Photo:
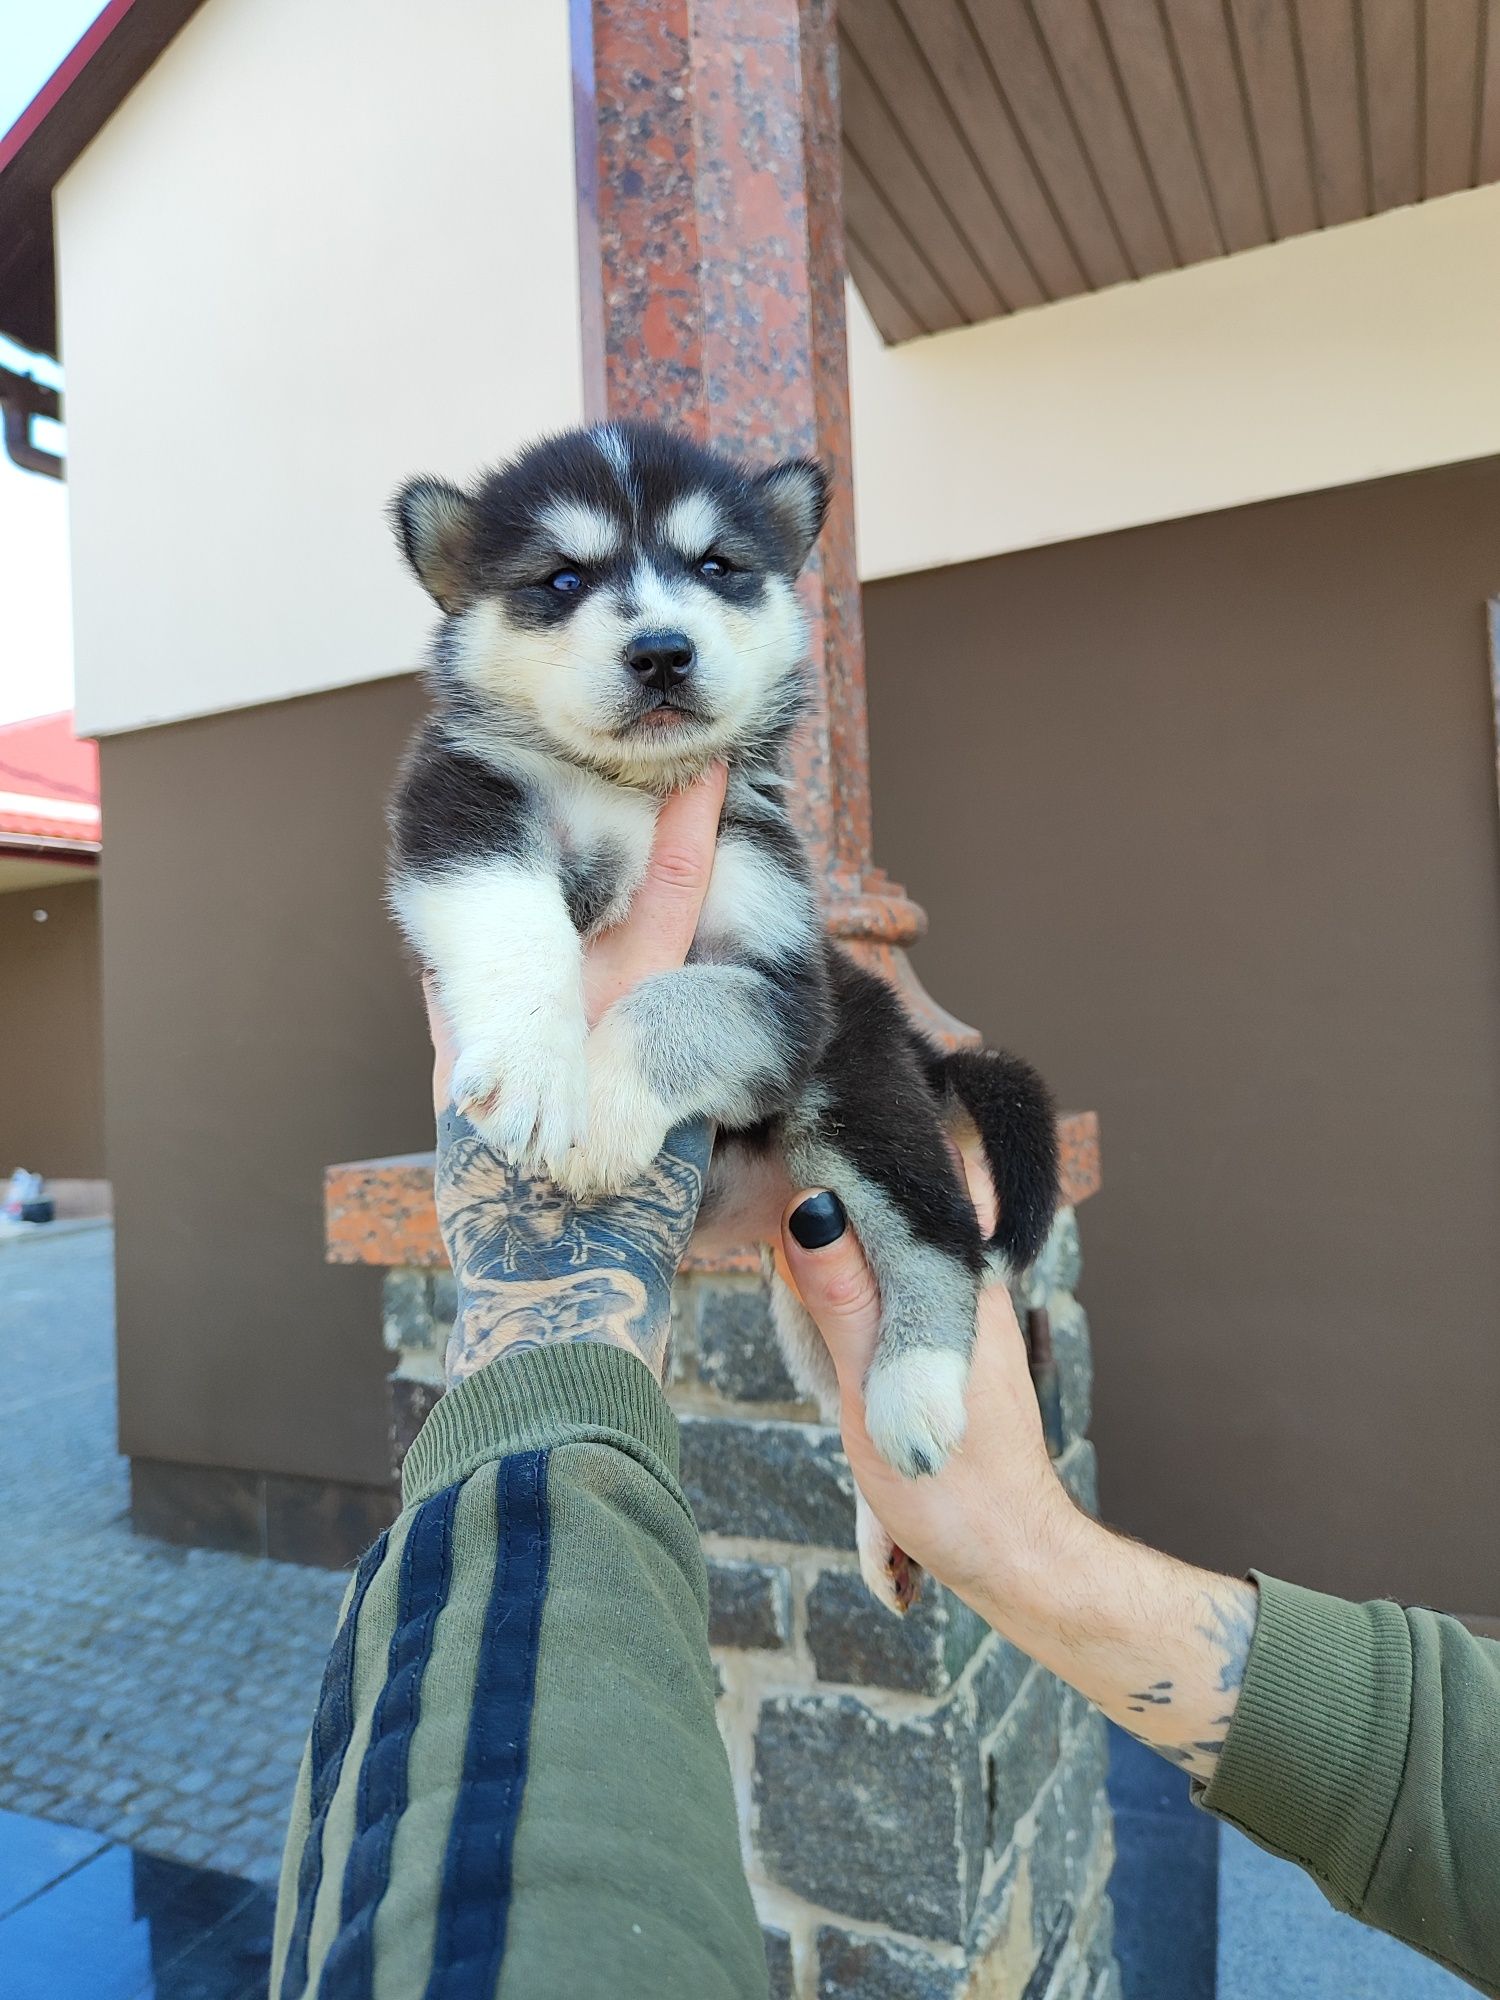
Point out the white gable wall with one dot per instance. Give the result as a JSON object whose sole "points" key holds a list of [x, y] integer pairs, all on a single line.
{"points": [[322, 245], [327, 243], [1318, 362]]}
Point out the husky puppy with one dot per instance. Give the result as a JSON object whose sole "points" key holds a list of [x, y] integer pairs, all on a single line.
{"points": [[618, 611]]}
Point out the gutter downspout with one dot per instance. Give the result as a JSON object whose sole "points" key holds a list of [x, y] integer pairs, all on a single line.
{"points": [[22, 397]]}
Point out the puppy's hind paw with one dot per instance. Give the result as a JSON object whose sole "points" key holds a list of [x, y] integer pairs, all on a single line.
{"points": [[914, 1407], [890, 1575]]}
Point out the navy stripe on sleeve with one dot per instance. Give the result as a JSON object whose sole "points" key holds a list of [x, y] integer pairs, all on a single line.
{"points": [[426, 1566], [332, 1727], [475, 1906]]}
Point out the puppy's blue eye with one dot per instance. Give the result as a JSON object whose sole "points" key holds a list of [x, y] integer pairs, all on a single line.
{"points": [[713, 566], [565, 580]]}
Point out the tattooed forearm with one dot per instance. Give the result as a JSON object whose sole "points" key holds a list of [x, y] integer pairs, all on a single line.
{"points": [[1159, 1646], [534, 1268], [1229, 1627], [1180, 1726]]}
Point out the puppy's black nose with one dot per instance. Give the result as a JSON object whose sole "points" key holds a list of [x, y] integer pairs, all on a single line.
{"points": [[662, 660]]}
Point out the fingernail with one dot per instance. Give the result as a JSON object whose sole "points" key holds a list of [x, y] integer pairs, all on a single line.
{"points": [[818, 1221]]}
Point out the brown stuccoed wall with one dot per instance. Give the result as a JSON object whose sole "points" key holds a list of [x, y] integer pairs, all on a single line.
{"points": [[259, 1024], [1205, 819], [51, 1094]]}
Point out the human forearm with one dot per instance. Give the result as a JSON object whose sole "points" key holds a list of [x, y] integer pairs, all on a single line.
{"points": [[514, 1766], [1159, 1646], [1358, 1740], [532, 1268]]}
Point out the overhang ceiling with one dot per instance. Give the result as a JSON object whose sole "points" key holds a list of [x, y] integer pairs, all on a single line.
{"points": [[1000, 153], [23, 871]]}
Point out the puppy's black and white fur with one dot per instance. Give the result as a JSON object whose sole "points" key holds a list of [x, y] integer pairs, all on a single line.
{"points": [[619, 611]]}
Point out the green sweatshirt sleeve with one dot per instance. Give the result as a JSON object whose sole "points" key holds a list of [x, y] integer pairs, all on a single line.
{"points": [[1366, 1748], [514, 1784]]}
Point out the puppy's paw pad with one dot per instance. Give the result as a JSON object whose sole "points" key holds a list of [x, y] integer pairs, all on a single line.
{"points": [[914, 1408]]}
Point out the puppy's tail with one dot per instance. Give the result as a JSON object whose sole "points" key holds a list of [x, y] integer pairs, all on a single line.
{"points": [[1013, 1111]]}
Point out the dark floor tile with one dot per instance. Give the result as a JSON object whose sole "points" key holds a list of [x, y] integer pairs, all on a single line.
{"points": [[1165, 1885], [185, 1905], [123, 1926], [1141, 1781], [80, 1940], [34, 1853], [233, 1962]]}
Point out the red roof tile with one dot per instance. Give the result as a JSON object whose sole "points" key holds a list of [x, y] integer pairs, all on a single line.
{"points": [[49, 786]]}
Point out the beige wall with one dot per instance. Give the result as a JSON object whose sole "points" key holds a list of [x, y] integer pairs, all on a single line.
{"points": [[51, 1087], [1317, 362], [320, 247], [1204, 817]]}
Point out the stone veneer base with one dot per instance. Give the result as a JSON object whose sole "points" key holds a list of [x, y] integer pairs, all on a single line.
{"points": [[325, 1523]]}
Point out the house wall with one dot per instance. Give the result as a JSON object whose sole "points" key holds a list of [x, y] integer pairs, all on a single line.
{"points": [[1205, 819], [261, 1025], [321, 247], [51, 1097], [1317, 362], [317, 249]]}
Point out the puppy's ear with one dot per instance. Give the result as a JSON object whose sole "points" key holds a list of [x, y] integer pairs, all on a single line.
{"points": [[434, 524], [796, 495]]}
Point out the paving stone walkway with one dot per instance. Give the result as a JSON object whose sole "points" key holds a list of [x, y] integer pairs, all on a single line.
{"points": [[154, 1695]]}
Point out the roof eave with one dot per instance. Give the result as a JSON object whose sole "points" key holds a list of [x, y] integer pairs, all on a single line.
{"points": [[71, 108]]}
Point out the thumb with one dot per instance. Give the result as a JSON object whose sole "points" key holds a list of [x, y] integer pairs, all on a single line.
{"points": [[828, 1269]]}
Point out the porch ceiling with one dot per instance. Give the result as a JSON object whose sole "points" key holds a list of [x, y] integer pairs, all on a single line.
{"points": [[1000, 153]]}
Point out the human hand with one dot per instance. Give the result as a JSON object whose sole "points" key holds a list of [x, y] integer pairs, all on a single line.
{"points": [[534, 1268], [1159, 1646], [995, 1510]]}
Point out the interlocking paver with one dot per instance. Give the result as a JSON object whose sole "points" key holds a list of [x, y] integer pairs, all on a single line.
{"points": [[140, 1679]]}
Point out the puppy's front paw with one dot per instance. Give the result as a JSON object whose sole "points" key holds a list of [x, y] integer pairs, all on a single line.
{"points": [[914, 1407], [626, 1123], [526, 1093]]}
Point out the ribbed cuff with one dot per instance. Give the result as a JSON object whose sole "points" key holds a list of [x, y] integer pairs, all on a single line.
{"points": [[587, 1391], [1314, 1758]]}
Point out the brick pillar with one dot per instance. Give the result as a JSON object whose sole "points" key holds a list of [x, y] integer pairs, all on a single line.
{"points": [[922, 1809]]}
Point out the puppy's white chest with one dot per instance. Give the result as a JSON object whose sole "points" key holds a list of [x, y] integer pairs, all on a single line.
{"points": [[603, 834]]}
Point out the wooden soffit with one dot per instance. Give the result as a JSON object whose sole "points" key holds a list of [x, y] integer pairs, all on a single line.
{"points": [[1001, 153]]}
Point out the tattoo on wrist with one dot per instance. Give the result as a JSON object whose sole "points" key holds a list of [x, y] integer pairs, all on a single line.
{"points": [[535, 1269], [1230, 1628], [1228, 1625]]}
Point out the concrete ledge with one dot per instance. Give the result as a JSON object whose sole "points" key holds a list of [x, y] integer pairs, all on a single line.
{"points": [[381, 1212], [43, 1232]]}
